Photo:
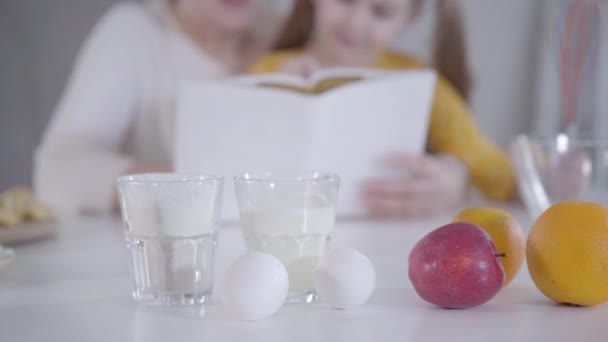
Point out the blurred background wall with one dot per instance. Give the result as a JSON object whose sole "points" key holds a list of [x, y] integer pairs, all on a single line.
{"points": [[39, 40], [38, 43]]}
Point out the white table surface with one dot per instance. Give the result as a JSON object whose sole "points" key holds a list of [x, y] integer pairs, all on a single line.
{"points": [[76, 287]]}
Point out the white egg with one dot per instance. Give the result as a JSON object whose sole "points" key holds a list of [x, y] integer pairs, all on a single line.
{"points": [[345, 278], [255, 286]]}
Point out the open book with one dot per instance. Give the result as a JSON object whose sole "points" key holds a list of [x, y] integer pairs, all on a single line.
{"points": [[318, 83], [342, 121]]}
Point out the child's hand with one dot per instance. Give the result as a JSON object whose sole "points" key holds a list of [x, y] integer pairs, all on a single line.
{"points": [[304, 65], [435, 183]]}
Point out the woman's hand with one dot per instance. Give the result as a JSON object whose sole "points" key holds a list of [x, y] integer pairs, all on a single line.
{"points": [[429, 185], [304, 65]]}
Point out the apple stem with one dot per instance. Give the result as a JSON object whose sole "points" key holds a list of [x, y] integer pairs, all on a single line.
{"points": [[501, 255]]}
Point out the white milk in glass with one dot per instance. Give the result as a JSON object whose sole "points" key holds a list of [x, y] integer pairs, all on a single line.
{"points": [[294, 228]]}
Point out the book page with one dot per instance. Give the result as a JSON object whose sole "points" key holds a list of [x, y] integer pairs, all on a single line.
{"points": [[284, 79], [319, 82], [227, 128], [345, 72], [361, 124]]}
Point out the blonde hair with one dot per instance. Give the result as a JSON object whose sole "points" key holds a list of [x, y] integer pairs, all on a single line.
{"points": [[449, 52]]}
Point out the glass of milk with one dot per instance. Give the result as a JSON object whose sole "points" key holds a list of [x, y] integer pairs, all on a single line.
{"points": [[291, 216], [171, 225]]}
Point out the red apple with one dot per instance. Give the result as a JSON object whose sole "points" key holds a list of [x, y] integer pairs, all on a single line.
{"points": [[456, 267]]}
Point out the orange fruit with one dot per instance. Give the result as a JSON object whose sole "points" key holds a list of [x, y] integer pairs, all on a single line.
{"points": [[506, 233], [567, 253]]}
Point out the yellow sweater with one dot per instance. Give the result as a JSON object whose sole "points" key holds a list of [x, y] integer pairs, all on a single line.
{"points": [[452, 130]]}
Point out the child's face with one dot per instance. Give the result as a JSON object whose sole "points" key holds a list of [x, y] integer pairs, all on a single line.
{"points": [[354, 32], [229, 15]]}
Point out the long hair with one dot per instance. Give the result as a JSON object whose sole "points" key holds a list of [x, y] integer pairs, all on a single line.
{"points": [[450, 51], [298, 27]]}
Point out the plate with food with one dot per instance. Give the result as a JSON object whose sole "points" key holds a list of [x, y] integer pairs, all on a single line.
{"points": [[22, 218]]}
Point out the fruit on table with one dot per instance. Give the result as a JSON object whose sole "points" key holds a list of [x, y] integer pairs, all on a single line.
{"points": [[567, 253], [456, 266], [506, 233]]}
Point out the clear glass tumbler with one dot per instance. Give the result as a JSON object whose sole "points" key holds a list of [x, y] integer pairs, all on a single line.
{"points": [[291, 216], [171, 224]]}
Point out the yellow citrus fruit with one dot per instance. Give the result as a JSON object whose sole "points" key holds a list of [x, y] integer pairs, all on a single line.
{"points": [[567, 253], [506, 233]]}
